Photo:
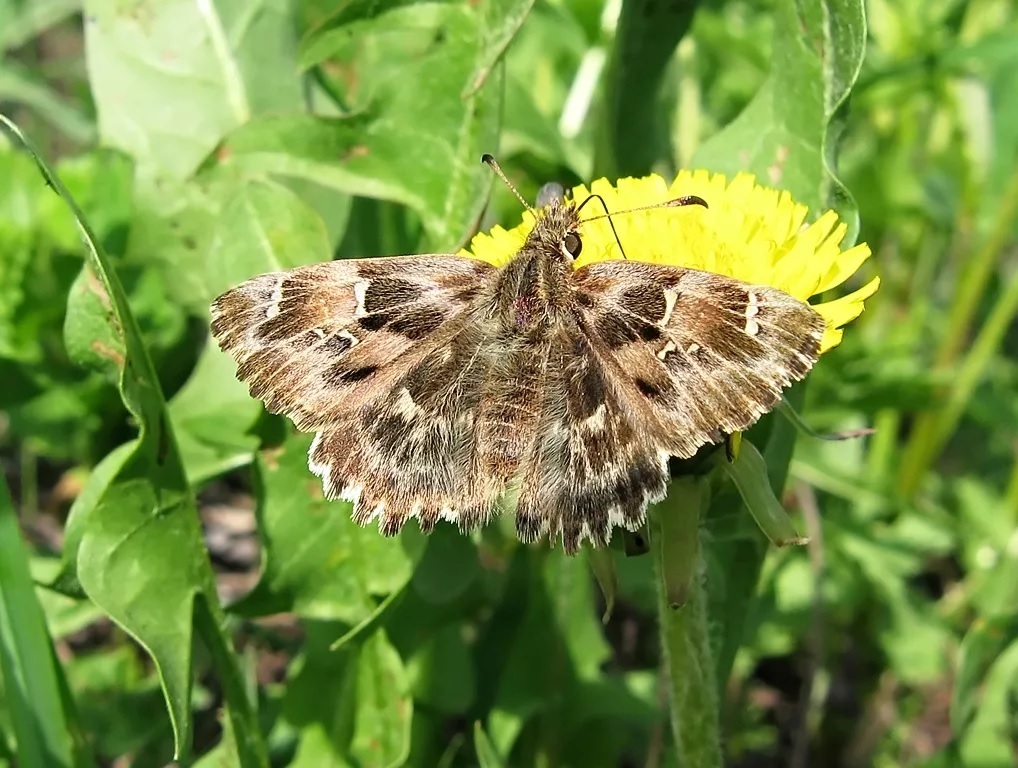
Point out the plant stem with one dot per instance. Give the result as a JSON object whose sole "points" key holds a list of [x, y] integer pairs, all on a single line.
{"points": [[685, 639]]}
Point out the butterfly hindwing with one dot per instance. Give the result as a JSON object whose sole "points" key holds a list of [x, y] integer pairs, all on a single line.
{"points": [[413, 451], [590, 467], [697, 354]]}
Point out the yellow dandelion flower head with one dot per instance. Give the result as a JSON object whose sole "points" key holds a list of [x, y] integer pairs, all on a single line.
{"points": [[748, 232]]}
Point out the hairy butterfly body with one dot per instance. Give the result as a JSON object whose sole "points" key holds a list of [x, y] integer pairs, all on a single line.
{"points": [[436, 383]]}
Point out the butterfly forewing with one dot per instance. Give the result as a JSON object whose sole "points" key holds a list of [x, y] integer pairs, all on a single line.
{"points": [[697, 355], [319, 341]]}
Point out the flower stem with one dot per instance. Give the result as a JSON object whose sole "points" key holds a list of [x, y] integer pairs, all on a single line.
{"points": [[682, 615]]}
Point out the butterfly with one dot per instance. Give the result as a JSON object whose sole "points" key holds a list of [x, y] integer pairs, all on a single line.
{"points": [[438, 386]]}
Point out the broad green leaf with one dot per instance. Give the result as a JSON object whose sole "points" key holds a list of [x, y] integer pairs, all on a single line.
{"points": [[988, 739], [441, 672], [171, 78], [213, 416], [783, 135], [121, 705], [141, 557], [96, 485], [263, 227], [412, 64], [177, 230], [548, 104], [447, 568], [502, 20], [318, 562], [27, 659], [545, 640]]}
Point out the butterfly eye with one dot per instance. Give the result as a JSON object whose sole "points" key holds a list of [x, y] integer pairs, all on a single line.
{"points": [[572, 244]]}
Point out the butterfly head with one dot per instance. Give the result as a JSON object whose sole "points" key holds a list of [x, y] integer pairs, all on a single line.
{"points": [[557, 230]]}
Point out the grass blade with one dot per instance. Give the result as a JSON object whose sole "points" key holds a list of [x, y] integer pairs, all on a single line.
{"points": [[31, 676]]}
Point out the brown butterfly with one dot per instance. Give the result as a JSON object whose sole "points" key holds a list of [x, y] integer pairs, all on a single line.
{"points": [[438, 384]]}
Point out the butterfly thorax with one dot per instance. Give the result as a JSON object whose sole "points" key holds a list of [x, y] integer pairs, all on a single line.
{"points": [[532, 291]]}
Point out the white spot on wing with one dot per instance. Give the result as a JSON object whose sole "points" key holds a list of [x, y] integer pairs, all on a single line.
{"points": [[314, 466], [671, 297], [277, 296], [666, 349], [352, 493], [752, 310], [360, 291], [405, 403], [596, 419], [377, 511]]}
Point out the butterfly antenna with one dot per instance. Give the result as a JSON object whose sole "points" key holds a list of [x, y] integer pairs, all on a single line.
{"points": [[492, 163], [607, 215], [678, 202]]}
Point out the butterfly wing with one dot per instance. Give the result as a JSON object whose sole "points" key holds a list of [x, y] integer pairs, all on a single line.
{"points": [[589, 465], [387, 360], [318, 341], [696, 355]]}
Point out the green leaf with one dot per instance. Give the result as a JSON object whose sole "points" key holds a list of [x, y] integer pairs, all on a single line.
{"points": [[783, 136], [980, 649], [318, 562], [989, 737], [31, 674], [441, 672], [411, 64], [24, 20], [214, 416], [99, 480], [263, 227], [502, 20], [487, 757], [540, 646], [122, 708], [363, 716], [448, 567], [748, 474], [141, 556], [169, 80]]}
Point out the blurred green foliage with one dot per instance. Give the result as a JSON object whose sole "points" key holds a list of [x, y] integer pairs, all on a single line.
{"points": [[205, 142]]}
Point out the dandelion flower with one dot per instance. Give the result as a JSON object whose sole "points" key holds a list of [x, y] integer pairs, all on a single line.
{"points": [[748, 232]]}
